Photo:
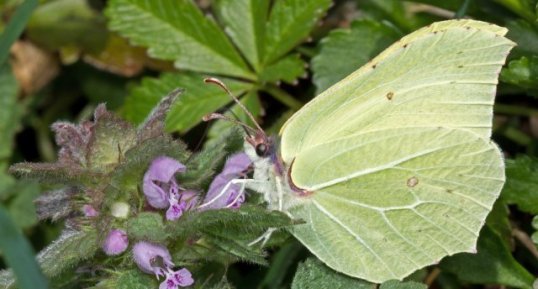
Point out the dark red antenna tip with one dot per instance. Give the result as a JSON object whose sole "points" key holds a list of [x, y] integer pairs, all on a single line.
{"points": [[223, 86]]}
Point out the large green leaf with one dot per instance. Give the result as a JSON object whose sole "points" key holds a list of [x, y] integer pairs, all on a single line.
{"points": [[177, 30], [393, 284], [19, 256], [198, 99], [345, 50], [492, 264], [521, 186], [312, 274], [61, 23], [287, 69], [245, 24], [15, 27], [290, 23], [9, 111]]}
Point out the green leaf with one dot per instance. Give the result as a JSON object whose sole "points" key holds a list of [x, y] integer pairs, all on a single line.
{"points": [[147, 226], [9, 111], [522, 72], [290, 22], [312, 274], [71, 248], [493, 264], [131, 279], [55, 173], [19, 256], [111, 137], [74, 23], [287, 69], [15, 27], [198, 99], [345, 50], [252, 103], [245, 24], [248, 220], [128, 175], [22, 208], [535, 226], [521, 186], [201, 167], [525, 34], [394, 284], [499, 222], [177, 30], [239, 250]]}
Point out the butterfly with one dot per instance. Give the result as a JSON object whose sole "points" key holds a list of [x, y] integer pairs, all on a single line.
{"points": [[392, 168]]}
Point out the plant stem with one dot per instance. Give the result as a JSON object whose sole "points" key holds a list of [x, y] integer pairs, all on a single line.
{"points": [[15, 27], [515, 110], [283, 97], [524, 239], [463, 9]]}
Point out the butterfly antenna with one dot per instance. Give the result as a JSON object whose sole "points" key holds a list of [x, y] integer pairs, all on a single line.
{"points": [[215, 115], [223, 86]]}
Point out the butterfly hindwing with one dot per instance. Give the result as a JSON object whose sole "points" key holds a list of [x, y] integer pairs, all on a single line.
{"points": [[385, 204]]}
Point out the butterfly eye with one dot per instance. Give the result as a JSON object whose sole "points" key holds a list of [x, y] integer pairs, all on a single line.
{"points": [[261, 149]]}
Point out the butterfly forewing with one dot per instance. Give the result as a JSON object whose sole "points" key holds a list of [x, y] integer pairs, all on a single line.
{"points": [[428, 79]]}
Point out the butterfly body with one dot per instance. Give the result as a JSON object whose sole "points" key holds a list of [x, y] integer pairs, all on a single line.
{"points": [[392, 168]]}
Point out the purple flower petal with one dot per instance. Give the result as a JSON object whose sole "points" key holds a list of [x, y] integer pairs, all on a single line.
{"points": [[183, 278], [115, 243], [89, 211], [159, 181], [168, 284], [148, 256], [235, 166], [175, 211]]}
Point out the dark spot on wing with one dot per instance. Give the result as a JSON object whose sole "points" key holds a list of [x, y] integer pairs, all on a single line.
{"points": [[390, 95], [412, 182]]}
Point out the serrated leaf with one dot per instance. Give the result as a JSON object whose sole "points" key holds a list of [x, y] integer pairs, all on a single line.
{"points": [[492, 264], [19, 256], [153, 125], [345, 50], [177, 30], [67, 251], [55, 173], [198, 99], [289, 24], [522, 72], [287, 69], [521, 186], [244, 22], [147, 226], [9, 111], [241, 251], [394, 284], [312, 274], [247, 219]]}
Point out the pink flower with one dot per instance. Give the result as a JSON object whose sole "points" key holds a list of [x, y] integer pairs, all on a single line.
{"points": [[155, 259], [235, 167], [162, 191], [115, 242]]}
